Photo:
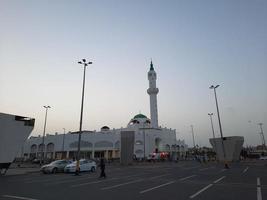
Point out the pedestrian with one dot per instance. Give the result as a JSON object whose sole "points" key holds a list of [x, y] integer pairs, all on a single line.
{"points": [[102, 167]]}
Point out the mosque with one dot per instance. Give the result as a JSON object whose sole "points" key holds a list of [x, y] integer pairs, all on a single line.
{"points": [[149, 137]]}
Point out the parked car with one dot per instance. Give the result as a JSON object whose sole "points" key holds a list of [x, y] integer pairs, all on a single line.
{"points": [[35, 161], [85, 165], [263, 158], [55, 166]]}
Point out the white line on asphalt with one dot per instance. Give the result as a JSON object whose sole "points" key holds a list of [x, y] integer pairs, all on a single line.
{"points": [[259, 197], [188, 177], [205, 188], [94, 182], [222, 170], [202, 190], [153, 188], [245, 170], [219, 179], [122, 184], [17, 197]]}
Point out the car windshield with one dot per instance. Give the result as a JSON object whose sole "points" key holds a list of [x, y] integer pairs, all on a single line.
{"points": [[56, 162]]}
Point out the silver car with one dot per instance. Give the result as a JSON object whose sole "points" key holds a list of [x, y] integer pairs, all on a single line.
{"points": [[55, 166]]}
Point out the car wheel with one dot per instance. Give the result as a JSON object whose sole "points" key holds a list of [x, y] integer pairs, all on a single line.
{"points": [[54, 170], [92, 169]]}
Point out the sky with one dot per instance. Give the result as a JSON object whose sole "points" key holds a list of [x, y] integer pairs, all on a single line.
{"points": [[193, 44]]}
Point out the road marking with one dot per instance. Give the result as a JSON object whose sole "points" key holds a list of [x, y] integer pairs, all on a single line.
{"points": [[159, 186], [219, 179], [245, 170], [259, 196], [94, 182], [18, 197], [222, 170], [122, 184], [182, 179], [207, 187], [200, 191]]}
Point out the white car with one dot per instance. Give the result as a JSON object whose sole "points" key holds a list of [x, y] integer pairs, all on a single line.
{"points": [[85, 165], [263, 158]]}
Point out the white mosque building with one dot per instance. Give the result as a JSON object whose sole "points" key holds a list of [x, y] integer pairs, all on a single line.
{"points": [[149, 137]]}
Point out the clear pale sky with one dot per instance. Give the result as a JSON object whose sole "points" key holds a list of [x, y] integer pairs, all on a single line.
{"points": [[193, 44]]}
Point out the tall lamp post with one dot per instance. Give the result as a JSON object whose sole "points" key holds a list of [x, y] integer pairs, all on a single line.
{"points": [[63, 142], [262, 137], [193, 136], [220, 125], [210, 114], [85, 64], [43, 145]]}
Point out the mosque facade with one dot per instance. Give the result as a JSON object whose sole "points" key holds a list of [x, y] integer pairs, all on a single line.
{"points": [[149, 137]]}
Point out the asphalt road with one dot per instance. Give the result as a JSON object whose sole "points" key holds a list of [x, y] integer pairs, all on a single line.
{"points": [[160, 181]]}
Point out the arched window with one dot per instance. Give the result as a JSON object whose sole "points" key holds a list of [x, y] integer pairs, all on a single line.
{"points": [[41, 147], [33, 148], [50, 147]]}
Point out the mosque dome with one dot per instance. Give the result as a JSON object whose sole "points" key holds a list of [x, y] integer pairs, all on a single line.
{"points": [[140, 116], [105, 128], [140, 119]]}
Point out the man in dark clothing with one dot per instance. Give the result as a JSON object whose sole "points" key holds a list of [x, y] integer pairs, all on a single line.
{"points": [[102, 167]]}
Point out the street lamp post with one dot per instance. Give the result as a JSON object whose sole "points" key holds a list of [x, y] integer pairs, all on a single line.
{"points": [[220, 125], [85, 64], [210, 114], [63, 142], [43, 145], [262, 137], [193, 136]]}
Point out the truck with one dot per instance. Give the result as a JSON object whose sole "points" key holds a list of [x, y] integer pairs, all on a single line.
{"points": [[14, 131]]}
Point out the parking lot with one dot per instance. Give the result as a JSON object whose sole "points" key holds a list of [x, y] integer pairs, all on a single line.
{"points": [[183, 180]]}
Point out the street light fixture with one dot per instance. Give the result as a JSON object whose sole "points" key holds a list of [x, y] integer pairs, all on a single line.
{"points": [[43, 145], [85, 64], [220, 125]]}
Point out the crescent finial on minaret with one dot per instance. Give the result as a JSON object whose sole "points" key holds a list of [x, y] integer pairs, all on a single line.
{"points": [[151, 65]]}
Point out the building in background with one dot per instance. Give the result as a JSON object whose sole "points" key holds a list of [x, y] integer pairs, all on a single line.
{"points": [[149, 138]]}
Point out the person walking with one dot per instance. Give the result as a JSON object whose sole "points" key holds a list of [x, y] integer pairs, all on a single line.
{"points": [[102, 167]]}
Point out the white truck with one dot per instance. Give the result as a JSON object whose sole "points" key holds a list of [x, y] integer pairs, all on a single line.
{"points": [[14, 130]]}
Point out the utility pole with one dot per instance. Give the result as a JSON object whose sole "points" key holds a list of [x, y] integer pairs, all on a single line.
{"points": [[193, 136], [220, 125], [63, 142], [210, 114], [85, 64], [262, 138], [43, 145]]}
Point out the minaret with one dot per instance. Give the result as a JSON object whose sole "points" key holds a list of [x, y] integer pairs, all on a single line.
{"points": [[153, 91]]}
